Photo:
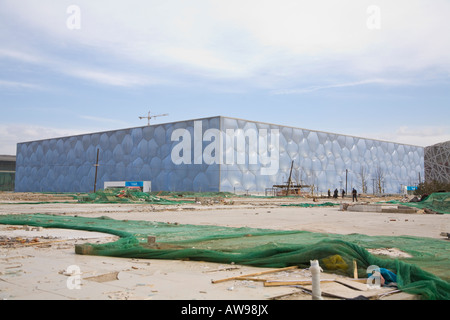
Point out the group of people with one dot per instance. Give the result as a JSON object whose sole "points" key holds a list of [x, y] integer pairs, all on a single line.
{"points": [[336, 194]]}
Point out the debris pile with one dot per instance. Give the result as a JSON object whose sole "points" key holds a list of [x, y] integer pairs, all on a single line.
{"points": [[9, 242], [36, 197], [313, 283]]}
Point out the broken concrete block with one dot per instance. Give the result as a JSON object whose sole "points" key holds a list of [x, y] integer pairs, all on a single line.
{"points": [[365, 208], [400, 210]]}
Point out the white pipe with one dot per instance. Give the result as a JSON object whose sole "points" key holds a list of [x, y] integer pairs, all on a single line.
{"points": [[315, 271]]}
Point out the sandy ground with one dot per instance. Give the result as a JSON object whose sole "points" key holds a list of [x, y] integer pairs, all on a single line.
{"points": [[42, 265]]}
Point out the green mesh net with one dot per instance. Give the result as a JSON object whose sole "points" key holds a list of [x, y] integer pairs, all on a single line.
{"points": [[425, 273], [7, 181], [124, 195], [438, 202]]}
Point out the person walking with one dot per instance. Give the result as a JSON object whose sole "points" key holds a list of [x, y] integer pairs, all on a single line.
{"points": [[355, 195], [343, 193]]}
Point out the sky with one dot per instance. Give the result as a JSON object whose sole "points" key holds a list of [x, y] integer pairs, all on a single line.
{"points": [[373, 69]]}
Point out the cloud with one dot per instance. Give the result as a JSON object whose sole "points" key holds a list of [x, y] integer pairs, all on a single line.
{"points": [[419, 135], [82, 71], [18, 85], [11, 134], [105, 120], [18, 55], [259, 43], [341, 85], [116, 79]]}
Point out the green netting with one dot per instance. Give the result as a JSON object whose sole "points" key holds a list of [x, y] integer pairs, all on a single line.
{"points": [[438, 202], [7, 181], [124, 196], [425, 274]]}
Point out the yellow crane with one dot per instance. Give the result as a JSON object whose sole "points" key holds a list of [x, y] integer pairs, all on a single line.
{"points": [[148, 117]]}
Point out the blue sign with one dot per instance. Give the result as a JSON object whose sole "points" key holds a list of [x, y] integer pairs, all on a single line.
{"points": [[411, 188], [134, 184]]}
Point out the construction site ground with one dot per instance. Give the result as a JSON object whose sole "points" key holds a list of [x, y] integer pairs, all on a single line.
{"points": [[38, 263]]}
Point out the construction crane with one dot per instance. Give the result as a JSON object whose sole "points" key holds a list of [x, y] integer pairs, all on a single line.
{"points": [[148, 117]]}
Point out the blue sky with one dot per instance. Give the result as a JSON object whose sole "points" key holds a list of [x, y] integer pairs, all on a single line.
{"points": [[376, 69]]}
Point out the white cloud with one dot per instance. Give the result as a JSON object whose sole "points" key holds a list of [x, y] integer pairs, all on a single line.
{"points": [[105, 120], [18, 55], [81, 71], [265, 43], [341, 85], [108, 77], [11, 134], [419, 135], [19, 85]]}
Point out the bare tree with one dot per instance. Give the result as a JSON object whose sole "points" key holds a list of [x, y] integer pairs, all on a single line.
{"points": [[379, 179], [363, 175]]}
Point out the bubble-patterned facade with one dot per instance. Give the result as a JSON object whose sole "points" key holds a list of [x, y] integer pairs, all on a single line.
{"points": [[215, 154]]}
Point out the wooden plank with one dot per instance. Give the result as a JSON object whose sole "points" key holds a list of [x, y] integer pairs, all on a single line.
{"points": [[254, 274], [355, 270], [252, 279], [292, 283], [357, 285]]}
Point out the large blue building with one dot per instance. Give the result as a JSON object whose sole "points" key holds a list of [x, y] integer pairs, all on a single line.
{"points": [[217, 154]]}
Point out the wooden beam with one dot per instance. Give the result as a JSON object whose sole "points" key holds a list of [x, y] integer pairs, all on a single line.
{"points": [[254, 274], [292, 283], [355, 270], [276, 283]]}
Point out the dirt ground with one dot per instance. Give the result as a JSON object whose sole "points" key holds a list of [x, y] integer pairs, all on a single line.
{"points": [[41, 264]]}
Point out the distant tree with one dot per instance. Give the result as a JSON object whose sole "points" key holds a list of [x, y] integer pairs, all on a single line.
{"points": [[379, 179], [430, 187]]}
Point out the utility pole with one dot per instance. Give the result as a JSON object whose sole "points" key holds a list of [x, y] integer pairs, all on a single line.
{"points": [[346, 179], [96, 168], [148, 117], [290, 179]]}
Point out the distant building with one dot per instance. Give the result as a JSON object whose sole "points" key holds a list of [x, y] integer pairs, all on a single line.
{"points": [[218, 154], [437, 162], [7, 172]]}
